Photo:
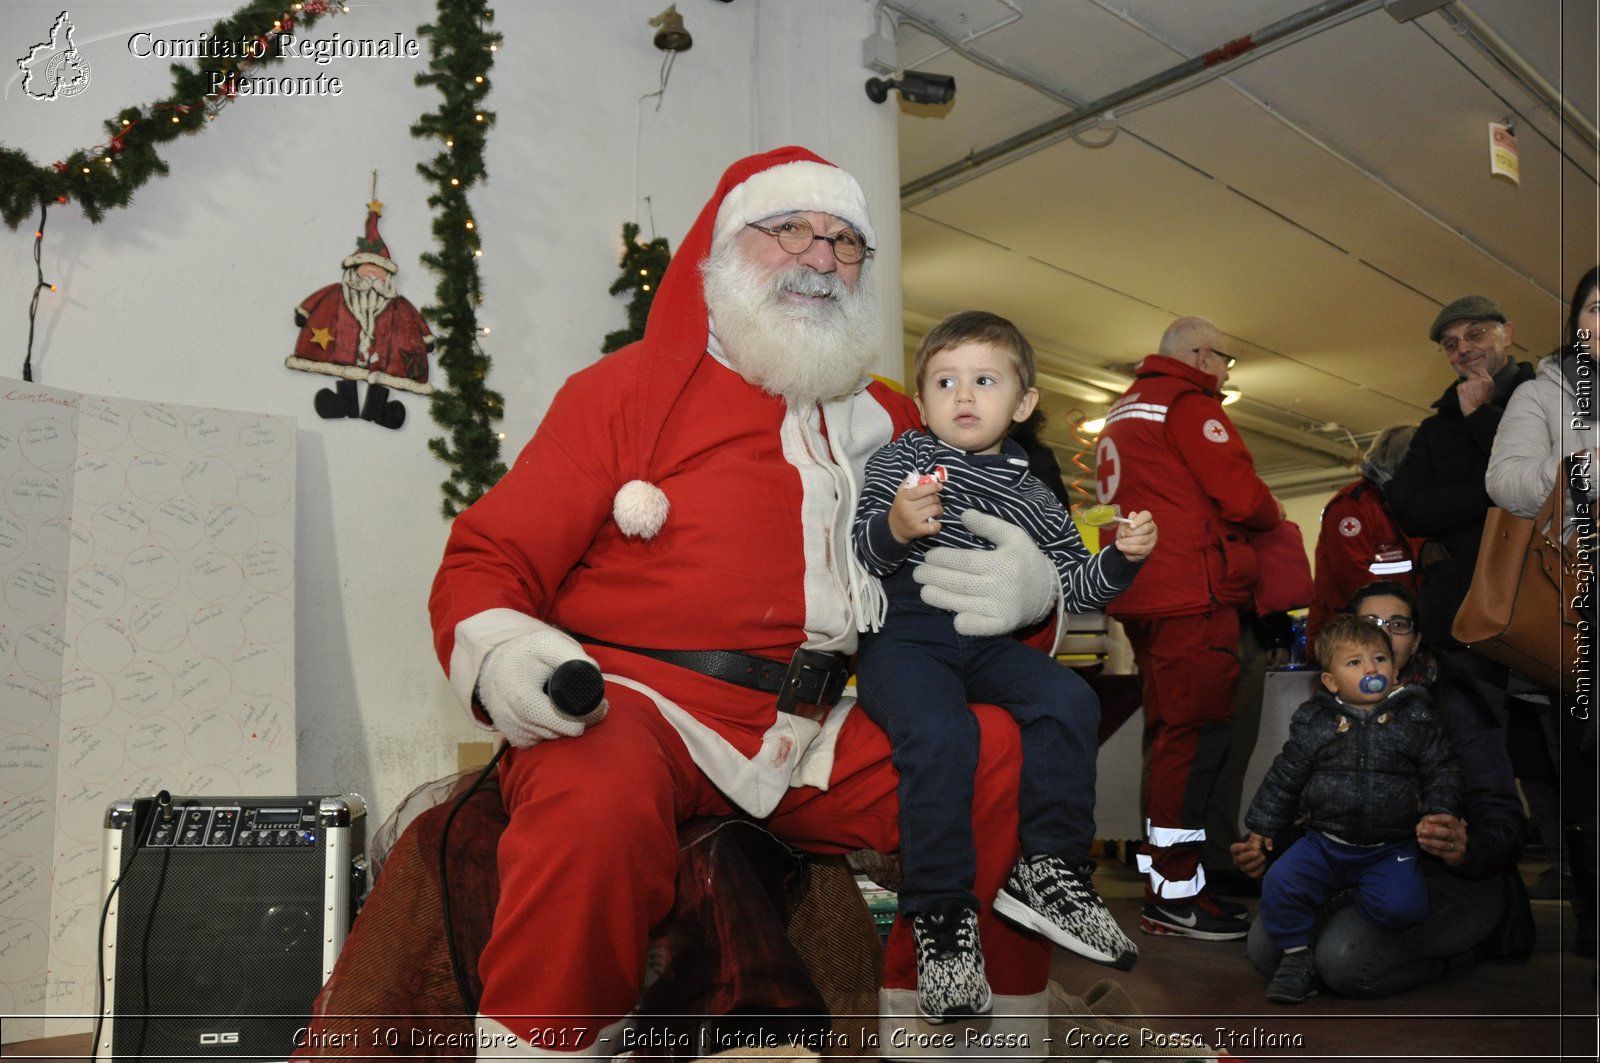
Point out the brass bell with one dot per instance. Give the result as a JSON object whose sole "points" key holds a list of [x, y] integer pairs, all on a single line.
{"points": [[670, 34]]}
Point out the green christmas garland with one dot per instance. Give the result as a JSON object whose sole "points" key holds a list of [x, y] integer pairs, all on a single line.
{"points": [[107, 175], [461, 52]]}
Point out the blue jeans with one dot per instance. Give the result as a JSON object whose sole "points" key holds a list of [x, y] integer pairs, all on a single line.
{"points": [[915, 679], [1357, 959], [1389, 890]]}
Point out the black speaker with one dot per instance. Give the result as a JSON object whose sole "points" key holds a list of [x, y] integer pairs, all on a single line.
{"points": [[223, 918]]}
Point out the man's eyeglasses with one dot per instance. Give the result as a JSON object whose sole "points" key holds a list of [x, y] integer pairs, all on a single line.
{"points": [[1395, 625], [795, 235], [1225, 356], [1451, 344]]}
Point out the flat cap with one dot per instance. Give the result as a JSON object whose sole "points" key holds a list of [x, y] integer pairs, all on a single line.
{"points": [[1466, 308]]}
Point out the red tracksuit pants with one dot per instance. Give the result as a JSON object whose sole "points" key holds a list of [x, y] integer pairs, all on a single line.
{"points": [[1190, 666], [589, 861]]}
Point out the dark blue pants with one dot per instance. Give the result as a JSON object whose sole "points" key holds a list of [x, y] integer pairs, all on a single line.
{"points": [[915, 679], [1389, 890]]}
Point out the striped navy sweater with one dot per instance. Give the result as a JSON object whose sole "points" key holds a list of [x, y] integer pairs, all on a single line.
{"points": [[998, 484]]}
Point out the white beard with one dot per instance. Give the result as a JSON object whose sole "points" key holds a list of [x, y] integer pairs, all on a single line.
{"points": [[803, 352], [366, 298]]}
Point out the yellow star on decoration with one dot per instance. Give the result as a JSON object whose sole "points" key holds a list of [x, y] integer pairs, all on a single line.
{"points": [[376, 207], [321, 337]]}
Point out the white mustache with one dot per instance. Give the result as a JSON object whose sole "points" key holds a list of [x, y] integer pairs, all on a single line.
{"points": [[805, 282]]}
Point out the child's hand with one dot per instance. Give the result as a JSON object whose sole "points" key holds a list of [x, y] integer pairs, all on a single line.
{"points": [[1249, 855], [916, 511], [1137, 536]]}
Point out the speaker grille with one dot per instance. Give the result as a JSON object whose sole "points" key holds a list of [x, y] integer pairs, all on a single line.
{"points": [[219, 950]]}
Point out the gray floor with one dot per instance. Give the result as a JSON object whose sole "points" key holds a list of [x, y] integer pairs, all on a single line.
{"points": [[1542, 1009]]}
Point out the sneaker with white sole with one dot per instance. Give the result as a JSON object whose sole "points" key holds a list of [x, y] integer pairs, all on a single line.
{"points": [[1203, 918], [1048, 895], [950, 979]]}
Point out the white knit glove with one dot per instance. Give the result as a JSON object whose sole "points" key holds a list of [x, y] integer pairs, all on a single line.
{"points": [[511, 688], [992, 592]]}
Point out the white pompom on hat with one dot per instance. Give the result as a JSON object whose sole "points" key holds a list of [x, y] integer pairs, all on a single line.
{"points": [[791, 188]]}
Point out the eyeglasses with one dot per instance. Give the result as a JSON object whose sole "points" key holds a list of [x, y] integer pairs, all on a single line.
{"points": [[796, 236], [1225, 356], [1395, 625], [1451, 344]]}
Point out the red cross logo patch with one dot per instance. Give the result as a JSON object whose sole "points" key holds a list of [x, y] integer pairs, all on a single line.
{"points": [[1350, 527], [1108, 469], [1215, 431]]}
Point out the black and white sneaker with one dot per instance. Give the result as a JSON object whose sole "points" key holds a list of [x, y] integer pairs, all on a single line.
{"points": [[1203, 918], [1047, 895], [950, 979], [1295, 979]]}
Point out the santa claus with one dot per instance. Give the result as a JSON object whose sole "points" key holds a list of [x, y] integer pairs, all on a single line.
{"points": [[359, 329], [681, 519]]}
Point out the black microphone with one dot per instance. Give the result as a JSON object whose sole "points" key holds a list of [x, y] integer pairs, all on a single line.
{"points": [[575, 688]]}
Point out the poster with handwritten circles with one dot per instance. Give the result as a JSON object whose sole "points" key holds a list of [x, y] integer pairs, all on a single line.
{"points": [[146, 643]]}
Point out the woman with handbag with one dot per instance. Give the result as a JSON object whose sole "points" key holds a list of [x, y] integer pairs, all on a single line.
{"points": [[1476, 902], [1550, 420], [1548, 435]]}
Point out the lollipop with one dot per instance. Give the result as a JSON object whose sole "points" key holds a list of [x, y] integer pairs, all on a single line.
{"points": [[1102, 515]]}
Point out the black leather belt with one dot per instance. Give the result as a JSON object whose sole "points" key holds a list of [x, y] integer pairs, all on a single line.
{"points": [[811, 677]]}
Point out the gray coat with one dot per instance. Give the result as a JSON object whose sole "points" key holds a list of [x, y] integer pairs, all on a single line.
{"points": [[1536, 432]]}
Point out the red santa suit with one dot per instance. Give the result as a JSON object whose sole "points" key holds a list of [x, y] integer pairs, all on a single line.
{"points": [[667, 503], [1360, 541], [331, 343], [1168, 447]]}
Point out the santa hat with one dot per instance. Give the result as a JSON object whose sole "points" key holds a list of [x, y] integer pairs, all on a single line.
{"points": [[802, 185], [370, 248], [756, 187]]}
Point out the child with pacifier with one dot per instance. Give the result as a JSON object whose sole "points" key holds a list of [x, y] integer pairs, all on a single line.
{"points": [[1364, 762]]}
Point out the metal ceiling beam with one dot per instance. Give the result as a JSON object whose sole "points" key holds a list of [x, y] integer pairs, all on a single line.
{"points": [[1002, 152], [1479, 33]]}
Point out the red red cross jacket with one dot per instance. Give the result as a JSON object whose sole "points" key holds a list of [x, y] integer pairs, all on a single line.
{"points": [[1360, 542], [1168, 447]]}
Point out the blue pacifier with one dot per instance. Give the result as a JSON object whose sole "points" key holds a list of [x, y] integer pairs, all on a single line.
{"points": [[1374, 684]]}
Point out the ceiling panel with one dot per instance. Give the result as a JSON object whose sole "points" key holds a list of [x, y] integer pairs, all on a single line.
{"points": [[1320, 202]]}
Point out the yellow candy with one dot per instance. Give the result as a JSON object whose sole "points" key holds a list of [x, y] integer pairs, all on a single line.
{"points": [[1099, 516]]}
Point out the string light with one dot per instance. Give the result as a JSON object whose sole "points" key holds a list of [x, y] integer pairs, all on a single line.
{"points": [[39, 285], [641, 263]]}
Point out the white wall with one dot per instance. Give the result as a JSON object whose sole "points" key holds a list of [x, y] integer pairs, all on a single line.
{"points": [[187, 296]]}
